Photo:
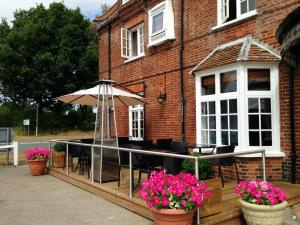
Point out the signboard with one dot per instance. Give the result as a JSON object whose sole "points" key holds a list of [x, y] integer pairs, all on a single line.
{"points": [[26, 122]]}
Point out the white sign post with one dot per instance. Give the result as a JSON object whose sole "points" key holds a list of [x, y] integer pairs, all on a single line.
{"points": [[26, 122]]}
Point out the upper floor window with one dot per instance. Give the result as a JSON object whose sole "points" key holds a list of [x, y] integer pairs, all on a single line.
{"points": [[161, 23], [231, 10], [132, 42]]}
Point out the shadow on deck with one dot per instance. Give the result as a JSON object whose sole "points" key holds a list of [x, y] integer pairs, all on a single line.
{"points": [[230, 215]]}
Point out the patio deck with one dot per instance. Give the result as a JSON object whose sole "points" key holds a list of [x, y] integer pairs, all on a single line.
{"points": [[231, 213]]}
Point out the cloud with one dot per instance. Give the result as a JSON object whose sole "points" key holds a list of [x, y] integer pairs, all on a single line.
{"points": [[89, 8]]}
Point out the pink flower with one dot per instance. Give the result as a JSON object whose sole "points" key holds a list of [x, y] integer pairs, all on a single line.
{"points": [[183, 202]]}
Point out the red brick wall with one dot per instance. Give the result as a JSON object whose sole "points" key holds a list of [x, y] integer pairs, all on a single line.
{"points": [[200, 17]]}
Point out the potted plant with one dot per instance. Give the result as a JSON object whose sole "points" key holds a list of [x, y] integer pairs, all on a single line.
{"points": [[58, 155], [173, 199], [37, 160], [262, 203], [205, 171]]}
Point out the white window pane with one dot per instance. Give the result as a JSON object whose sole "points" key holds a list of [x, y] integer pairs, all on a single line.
{"points": [[265, 105], [253, 121], [253, 105], [212, 137], [224, 136], [259, 80], [233, 122], [244, 6], [266, 138], [208, 85], [204, 122], [212, 122], [223, 106], [252, 4], [266, 122], [158, 22], [228, 82], [212, 107], [234, 138], [204, 108], [204, 136], [134, 44], [224, 122], [254, 138], [232, 106]]}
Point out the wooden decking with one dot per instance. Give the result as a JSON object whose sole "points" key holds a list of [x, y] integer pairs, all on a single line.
{"points": [[230, 215]]}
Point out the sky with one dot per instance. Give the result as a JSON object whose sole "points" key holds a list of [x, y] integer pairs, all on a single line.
{"points": [[89, 8]]}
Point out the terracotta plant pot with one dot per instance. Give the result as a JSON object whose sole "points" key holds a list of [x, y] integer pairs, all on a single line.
{"points": [[172, 217], [37, 167], [58, 159], [263, 214]]}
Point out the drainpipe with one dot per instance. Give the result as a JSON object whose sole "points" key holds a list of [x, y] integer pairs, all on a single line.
{"points": [[292, 125], [109, 51], [181, 67]]}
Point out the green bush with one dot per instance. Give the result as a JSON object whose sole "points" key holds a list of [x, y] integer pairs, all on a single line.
{"points": [[60, 147], [188, 166]]}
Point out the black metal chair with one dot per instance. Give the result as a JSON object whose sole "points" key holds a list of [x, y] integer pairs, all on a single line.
{"points": [[173, 165], [74, 151], [164, 144], [228, 161]]}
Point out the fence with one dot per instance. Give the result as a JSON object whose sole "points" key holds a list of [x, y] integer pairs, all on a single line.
{"points": [[164, 154]]}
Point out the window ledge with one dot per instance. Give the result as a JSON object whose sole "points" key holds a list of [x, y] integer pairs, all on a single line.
{"points": [[133, 58], [269, 154], [235, 21], [160, 41]]}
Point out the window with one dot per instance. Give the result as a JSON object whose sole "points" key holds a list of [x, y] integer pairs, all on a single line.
{"points": [[239, 105], [136, 122], [125, 1], [132, 42], [161, 23], [231, 10]]}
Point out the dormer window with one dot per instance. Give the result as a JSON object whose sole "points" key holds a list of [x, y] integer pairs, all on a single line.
{"points": [[161, 23], [233, 10], [132, 42]]}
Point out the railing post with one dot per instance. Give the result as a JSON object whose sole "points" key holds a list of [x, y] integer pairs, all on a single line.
{"points": [[67, 158], [197, 176], [51, 158], [130, 174], [263, 155], [16, 153], [92, 164]]}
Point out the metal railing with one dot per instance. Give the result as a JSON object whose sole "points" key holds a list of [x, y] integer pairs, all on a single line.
{"points": [[155, 153]]}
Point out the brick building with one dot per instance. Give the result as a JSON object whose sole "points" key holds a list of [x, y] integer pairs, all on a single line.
{"points": [[210, 71]]}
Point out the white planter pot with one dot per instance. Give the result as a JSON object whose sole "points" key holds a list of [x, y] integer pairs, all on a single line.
{"points": [[263, 214]]}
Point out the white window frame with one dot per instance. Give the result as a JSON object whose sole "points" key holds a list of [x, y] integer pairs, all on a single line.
{"points": [[140, 110], [168, 32], [125, 1], [126, 37], [222, 9], [242, 96]]}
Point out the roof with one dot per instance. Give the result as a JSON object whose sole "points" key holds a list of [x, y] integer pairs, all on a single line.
{"points": [[245, 49]]}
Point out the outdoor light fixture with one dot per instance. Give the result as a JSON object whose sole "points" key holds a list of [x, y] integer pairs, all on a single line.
{"points": [[162, 97]]}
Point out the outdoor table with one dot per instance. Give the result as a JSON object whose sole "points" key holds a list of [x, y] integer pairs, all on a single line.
{"points": [[202, 147]]}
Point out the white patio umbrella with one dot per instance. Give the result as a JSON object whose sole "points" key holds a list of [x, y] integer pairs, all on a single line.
{"points": [[89, 97]]}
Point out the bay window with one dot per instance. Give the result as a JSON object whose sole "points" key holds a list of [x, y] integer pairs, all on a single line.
{"points": [[239, 105]]}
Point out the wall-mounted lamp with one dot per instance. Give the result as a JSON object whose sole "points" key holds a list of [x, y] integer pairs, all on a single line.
{"points": [[163, 97]]}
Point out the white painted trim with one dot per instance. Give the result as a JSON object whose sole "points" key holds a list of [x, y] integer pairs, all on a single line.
{"points": [[134, 58], [242, 95], [168, 23], [238, 19]]}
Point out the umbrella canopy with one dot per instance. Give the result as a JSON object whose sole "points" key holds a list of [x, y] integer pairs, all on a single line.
{"points": [[89, 97]]}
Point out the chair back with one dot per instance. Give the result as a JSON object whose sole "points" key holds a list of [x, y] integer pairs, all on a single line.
{"points": [[164, 143], [228, 161], [124, 156], [179, 146]]}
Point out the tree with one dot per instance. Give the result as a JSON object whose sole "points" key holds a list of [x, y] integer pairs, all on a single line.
{"points": [[46, 53]]}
